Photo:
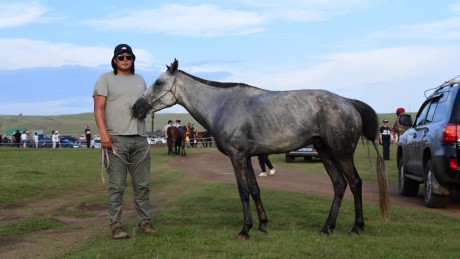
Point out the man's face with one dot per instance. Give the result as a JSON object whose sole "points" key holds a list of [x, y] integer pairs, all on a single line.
{"points": [[124, 61]]}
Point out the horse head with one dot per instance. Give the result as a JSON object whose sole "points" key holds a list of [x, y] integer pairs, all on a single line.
{"points": [[161, 94]]}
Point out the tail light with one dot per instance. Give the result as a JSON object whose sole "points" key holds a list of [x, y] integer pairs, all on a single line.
{"points": [[453, 163], [451, 133]]}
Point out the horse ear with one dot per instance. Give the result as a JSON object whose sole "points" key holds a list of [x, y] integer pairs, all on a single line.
{"points": [[174, 66]]}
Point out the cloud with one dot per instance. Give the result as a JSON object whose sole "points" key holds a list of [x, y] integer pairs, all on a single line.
{"points": [[377, 76], [18, 14], [26, 53], [305, 10], [200, 20], [439, 30], [209, 20]]}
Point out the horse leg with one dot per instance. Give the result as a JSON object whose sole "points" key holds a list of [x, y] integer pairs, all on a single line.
{"points": [[176, 148], [356, 185], [339, 184], [170, 146], [183, 148], [255, 194], [239, 163]]}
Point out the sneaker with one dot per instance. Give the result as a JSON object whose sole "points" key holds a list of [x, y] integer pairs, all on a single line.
{"points": [[272, 171], [263, 174], [146, 227], [118, 232]]}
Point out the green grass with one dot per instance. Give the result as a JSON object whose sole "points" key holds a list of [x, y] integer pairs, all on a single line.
{"points": [[197, 219], [21, 228]]}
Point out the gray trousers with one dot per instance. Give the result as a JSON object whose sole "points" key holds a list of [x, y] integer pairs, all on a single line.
{"points": [[133, 160]]}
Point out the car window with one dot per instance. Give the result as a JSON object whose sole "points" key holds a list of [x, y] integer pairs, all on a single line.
{"points": [[430, 114], [421, 116], [441, 108]]}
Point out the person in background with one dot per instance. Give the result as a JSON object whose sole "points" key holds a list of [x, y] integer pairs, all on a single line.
{"points": [[53, 139], [24, 139], [187, 134], [165, 129], [114, 94], [17, 138], [36, 139], [57, 140], [263, 160], [177, 123], [88, 136], [385, 139], [399, 129]]}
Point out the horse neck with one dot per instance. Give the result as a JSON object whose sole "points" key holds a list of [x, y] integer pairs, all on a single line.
{"points": [[198, 99]]}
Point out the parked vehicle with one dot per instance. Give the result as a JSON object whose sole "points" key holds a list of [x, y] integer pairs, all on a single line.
{"points": [[96, 143], [428, 152], [308, 153]]}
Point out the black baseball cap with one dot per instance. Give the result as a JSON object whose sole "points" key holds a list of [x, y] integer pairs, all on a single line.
{"points": [[121, 48]]}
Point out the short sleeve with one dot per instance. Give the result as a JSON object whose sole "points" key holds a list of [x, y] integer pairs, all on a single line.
{"points": [[101, 87]]}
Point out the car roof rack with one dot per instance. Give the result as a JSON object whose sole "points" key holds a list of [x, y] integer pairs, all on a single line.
{"points": [[448, 83]]}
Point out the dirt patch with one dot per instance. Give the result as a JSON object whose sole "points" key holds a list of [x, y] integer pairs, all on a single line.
{"points": [[47, 243], [297, 181]]}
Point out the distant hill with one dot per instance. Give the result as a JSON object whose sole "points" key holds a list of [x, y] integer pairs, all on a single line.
{"points": [[75, 124]]}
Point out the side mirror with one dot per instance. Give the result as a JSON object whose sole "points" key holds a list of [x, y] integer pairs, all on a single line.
{"points": [[405, 120]]}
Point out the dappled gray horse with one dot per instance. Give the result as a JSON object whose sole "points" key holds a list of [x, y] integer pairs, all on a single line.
{"points": [[246, 121]]}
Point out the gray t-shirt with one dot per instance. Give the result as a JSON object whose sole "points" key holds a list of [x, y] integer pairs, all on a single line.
{"points": [[121, 92]]}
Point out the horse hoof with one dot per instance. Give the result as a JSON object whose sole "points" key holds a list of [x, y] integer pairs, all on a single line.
{"points": [[242, 237], [323, 234], [262, 231]]}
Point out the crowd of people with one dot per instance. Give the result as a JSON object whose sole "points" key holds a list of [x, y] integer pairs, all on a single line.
{"points": [[29, 139]]}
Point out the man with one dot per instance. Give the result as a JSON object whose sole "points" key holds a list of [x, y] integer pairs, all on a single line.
{"points": [[88, 136], [385, 139], [124, 137], [165, 129], [397, 127], [17, 138]]}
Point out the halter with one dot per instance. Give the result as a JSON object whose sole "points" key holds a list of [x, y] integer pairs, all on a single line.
{"points": [[171, 90]]}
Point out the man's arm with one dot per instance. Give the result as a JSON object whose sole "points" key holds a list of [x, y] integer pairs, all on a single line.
{"points": [[99, 115]]}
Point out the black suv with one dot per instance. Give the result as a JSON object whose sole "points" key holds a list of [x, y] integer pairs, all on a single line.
{"points": [[429, 151]]}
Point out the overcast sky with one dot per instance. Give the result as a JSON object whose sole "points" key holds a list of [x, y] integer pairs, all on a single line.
{"points": [[386, 53]]}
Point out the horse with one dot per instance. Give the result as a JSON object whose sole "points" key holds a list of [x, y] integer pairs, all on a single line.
{"points": [[238, 115], [176, 141], [204, 137]]}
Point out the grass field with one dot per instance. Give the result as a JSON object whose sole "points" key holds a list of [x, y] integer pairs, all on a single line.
{"points": [[197, 219]]}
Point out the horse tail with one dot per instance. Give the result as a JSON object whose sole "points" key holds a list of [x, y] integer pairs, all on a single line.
{"points": [[370, 130]]}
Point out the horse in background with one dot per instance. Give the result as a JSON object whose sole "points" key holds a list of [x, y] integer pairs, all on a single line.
{"points": [[205, 138], [238, 115], [176, 141]]}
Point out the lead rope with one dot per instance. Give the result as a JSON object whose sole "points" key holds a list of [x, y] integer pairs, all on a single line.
{"points": [[105, 160]]}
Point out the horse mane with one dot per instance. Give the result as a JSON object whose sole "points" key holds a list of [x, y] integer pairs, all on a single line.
{"points": [[214, 83]]}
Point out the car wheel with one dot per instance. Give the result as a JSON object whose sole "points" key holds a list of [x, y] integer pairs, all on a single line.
{"points": [[433, 200], [407, 187], [289, 159]]}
